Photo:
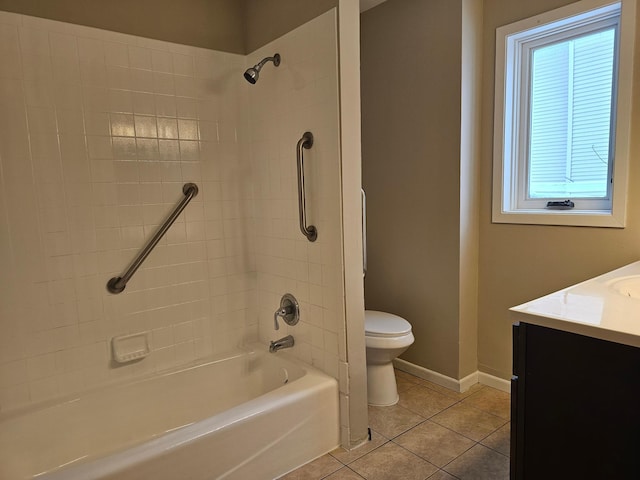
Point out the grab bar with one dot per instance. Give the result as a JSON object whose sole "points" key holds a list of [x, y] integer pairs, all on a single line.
{"points": [[117, 284], [364, 232], [310, 231]]}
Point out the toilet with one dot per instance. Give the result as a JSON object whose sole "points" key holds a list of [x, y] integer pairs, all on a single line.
{"points": [[386, 337]]}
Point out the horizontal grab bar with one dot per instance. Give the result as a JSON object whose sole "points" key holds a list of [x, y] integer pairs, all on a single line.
{"points": [[117, 284]]}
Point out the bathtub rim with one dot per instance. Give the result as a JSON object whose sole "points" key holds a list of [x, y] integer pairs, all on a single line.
{"points": [[114, 462], [254, 348]]}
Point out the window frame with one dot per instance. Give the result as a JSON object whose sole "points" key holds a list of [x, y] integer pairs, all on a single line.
{"points": [[510, 101]]}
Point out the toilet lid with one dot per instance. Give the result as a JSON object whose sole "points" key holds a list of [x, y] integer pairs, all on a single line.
{"points": [[383, 324]]}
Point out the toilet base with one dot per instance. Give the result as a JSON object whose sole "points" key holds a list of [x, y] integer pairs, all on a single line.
{"points": [[382, 390]]}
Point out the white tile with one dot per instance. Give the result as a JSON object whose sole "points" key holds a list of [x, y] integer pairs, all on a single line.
{"points": [[131, 193], [122, 125], [142, 80], [186, 107], [124, 148], [185, 86], [95, 98], [93, 73], [161, 61], [97, 123], [118, 77], [167, 128], [44, 389], [70, 121], [140, 57], [34, 41], [163, 83], [183, 64], [165, 105], [145, 126], [99, 147], [147, 149], [189, 150], [120, 101], [14, 396], [116, 54], [90, 49], [188, 129], [144, 103], [37, 68], [43, 366], [169, 150], [13, 373]]}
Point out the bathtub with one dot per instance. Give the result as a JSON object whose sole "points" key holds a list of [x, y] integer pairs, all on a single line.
{"points": [[248, 415]]}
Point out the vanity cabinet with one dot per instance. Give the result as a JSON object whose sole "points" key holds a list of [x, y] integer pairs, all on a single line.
{"points": [[575, 406]]}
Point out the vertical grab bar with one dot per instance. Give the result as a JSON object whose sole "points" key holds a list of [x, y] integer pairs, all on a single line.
{"points": [[310, 231], [117, 284], [364, 231]]}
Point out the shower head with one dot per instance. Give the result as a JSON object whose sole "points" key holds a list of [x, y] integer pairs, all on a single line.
{"points": [[252, 74]]}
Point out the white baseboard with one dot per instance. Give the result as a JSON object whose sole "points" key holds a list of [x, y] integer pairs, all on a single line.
{"points": [[435, 377], [495, 382], [461, 385]]}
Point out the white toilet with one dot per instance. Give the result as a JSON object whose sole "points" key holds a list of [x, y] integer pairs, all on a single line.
{"points": [[386, 337]]}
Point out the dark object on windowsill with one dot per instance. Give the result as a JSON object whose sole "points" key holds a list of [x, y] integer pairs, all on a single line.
{"points": [[563, 205]]}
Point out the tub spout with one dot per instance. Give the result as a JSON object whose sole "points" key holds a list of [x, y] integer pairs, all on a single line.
{"points": [[285, 342]]}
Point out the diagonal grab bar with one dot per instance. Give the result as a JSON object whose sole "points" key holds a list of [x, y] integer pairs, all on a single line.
{"points": [[117, 284], [310, 231]]}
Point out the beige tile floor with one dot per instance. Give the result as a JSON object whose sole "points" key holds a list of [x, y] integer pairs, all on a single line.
{"points": [[432, 433]]}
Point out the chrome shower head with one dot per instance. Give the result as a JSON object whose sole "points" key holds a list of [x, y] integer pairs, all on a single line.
{"points": [[252, 74]]}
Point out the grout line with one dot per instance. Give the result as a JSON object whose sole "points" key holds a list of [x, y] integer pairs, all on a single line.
{"points": [[393, 439]]}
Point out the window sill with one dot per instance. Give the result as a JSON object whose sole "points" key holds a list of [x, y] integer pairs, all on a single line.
{"points": [[570, 218]]}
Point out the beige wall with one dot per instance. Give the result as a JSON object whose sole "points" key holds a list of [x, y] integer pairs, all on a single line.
{"points": [[214, 24], [267, 20], [411, 107], [470, 128], [521, 262], [417, 64], [237, 26]]}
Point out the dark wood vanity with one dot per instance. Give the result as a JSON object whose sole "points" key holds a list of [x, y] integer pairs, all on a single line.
{"points": [[575, 406], [575, 390]]}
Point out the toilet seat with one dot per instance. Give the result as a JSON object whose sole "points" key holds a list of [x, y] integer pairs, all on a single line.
{"points": [[385, 325]]}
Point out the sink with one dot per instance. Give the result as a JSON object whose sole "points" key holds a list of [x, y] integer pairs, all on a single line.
{"points": [[628, 286]]}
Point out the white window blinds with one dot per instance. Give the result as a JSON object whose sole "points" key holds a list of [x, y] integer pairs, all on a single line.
{"points": [[570, 117]]}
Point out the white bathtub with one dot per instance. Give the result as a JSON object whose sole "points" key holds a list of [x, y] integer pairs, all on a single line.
{"points": [[250, 415]]}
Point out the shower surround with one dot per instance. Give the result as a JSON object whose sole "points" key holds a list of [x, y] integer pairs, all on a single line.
{"points": [[98, 133]]}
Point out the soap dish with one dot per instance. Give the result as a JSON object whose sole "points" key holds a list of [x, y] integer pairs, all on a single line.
{"points": [[127, 348]]}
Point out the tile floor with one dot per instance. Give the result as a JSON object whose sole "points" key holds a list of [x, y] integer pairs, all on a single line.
{"points": [[432, 433]]}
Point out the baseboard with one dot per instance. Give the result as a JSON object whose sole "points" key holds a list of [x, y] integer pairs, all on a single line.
{"points": [[461, 385], [495, 382], [435, 377]]}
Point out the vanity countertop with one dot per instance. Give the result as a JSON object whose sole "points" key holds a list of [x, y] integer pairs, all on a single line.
{"points": [[605, 307]]}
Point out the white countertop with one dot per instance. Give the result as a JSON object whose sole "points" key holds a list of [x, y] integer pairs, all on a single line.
{"points": [[594, 308]]}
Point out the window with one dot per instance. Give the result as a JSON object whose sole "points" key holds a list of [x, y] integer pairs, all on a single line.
{"points": [[562, 116]]}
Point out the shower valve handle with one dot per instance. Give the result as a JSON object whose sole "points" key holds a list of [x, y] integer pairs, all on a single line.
{"points": [[281, 312], [289, 311]]}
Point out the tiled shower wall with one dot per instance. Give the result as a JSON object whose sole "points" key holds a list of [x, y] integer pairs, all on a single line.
{"points": [[298, 96], [98, 133]]}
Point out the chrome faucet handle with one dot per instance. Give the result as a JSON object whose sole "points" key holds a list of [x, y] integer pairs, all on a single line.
{"points": [[289, 311], [281, 312]]}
